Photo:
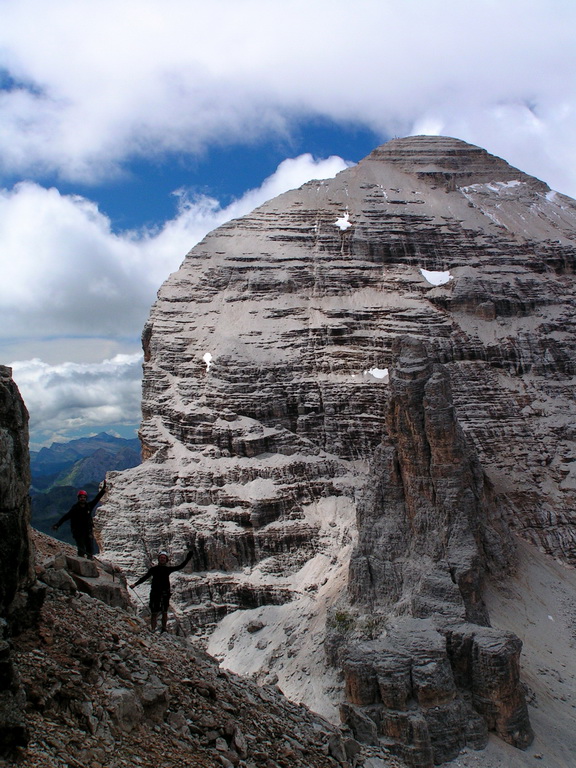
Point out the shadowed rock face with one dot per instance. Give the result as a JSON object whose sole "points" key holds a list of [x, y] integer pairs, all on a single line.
{"points": [[15, 558], [428, 523], [14, 485], [257, 455]]}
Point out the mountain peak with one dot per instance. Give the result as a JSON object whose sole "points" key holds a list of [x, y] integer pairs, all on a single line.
{"points": [[446, 159]]}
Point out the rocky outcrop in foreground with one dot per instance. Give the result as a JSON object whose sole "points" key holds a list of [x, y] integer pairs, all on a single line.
{"points": [[15, 558], [17, 603], [330, 484], [102, 691], [96, 578]]}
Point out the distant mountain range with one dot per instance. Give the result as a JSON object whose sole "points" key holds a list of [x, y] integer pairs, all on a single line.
{"points": [[58, 472]]}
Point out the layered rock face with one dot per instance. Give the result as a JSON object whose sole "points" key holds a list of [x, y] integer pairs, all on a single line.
{"points": [[15, 557], [269, 422], [102, 690], [430, 675]]}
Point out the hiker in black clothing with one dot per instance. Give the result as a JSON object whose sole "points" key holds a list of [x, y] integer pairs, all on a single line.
{"points": [[81, 521], [160, 588]]}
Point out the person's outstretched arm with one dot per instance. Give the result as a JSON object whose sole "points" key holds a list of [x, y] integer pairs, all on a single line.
{"points": [[143, 579], [62, 520], [98, 496]]}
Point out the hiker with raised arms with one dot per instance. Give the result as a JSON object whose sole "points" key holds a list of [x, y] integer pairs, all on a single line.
{"points": [[82, 521], [160, 587]]}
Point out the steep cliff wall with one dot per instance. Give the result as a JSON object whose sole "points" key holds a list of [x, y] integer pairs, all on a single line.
{"points": [[14, 489], [423, 667], [15, 556], [267, 413]]}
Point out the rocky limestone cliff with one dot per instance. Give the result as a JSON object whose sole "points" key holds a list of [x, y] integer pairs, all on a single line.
{"points": [[84, 683], [15, 557], [16, 574], [423, 668], [278, 451]]}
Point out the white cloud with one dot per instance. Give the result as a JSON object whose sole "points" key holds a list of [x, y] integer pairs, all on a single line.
{"points": [[103, 81], [100, 83], [69, 396]]}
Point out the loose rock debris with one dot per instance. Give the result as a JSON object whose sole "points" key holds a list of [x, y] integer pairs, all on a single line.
{"points": [[102, 691]]}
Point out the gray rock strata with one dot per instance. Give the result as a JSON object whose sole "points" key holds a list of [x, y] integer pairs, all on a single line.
{"points": [[96, 578], [15, 557], [102, 690], [268, 415]]}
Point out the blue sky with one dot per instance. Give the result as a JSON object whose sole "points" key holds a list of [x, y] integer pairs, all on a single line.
{"points": [[144, 195], [131, 128]]}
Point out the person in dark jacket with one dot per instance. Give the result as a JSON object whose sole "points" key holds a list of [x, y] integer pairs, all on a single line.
{"points": [[82, 521], [160, 587]]}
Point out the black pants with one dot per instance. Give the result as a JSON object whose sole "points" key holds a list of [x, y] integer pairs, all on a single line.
{"points": [[84, 543], [159, 602]]}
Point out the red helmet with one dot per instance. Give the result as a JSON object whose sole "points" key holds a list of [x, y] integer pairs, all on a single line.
{"points": [[82, 493]]}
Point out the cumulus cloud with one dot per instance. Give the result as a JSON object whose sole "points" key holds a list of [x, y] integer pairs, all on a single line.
{"points": [[178, 75], [67, 274], [63, 398]]}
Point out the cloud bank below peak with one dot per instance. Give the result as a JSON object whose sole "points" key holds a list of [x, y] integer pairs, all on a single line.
{"points": [[63, 399]]}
